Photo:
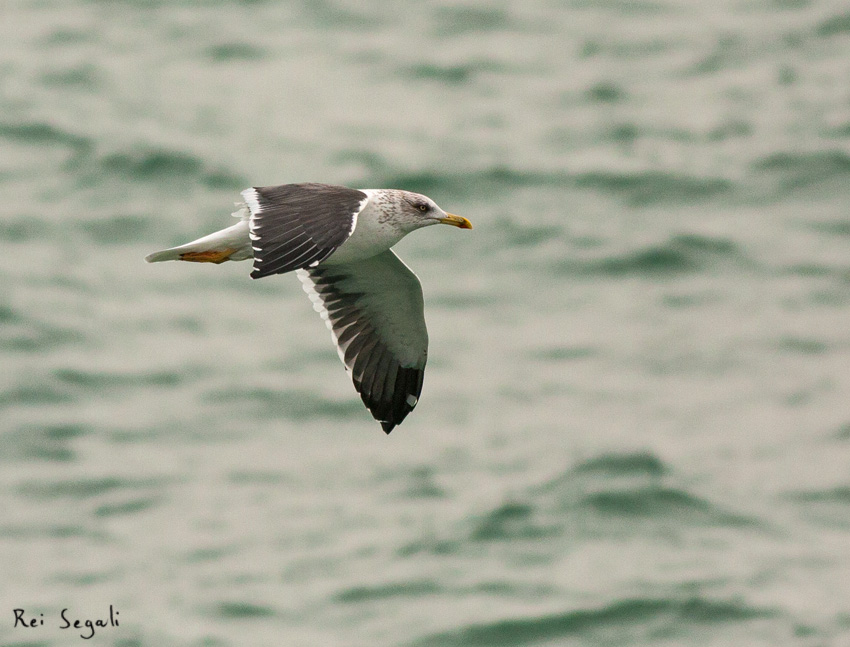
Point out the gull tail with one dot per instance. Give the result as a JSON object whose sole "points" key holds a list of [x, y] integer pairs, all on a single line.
{"points": [[231, 244]]}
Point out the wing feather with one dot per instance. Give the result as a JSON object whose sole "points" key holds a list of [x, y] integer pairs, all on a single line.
{"points": [[299, 225], [375, 311]]}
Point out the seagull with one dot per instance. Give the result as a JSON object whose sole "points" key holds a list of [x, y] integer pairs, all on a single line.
{"points": [[338, 240]]}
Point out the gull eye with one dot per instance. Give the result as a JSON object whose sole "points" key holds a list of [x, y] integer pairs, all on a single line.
{"points": [[423, 207]]}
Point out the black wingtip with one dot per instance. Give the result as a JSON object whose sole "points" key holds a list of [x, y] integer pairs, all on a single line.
{"points": [[387, 427], [258, 273]]}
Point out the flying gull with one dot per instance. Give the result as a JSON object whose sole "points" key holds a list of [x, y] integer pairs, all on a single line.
{"points": [[338, 242]]}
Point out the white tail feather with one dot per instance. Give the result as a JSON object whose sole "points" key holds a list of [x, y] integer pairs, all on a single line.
{"points": [[165, 255], [234, 237]]}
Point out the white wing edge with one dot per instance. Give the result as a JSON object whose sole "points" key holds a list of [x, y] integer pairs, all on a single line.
{"points": [[319, 306]]}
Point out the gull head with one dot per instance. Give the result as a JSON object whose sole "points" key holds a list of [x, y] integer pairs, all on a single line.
{"points": [[411, 211]]}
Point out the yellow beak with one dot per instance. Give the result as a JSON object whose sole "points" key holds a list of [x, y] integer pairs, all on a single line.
{"points": [[456, 221]]}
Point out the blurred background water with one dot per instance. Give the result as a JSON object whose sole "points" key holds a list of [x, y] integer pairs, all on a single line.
{"points": [[635, 426]]}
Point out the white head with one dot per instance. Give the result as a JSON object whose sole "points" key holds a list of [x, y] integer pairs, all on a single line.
{"points": [[409, 211]]}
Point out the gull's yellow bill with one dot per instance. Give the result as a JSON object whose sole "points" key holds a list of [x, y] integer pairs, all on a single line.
{"points": [[456, 221]]}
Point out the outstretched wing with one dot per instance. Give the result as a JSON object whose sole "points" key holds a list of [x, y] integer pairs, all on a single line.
{"points": [[299, 225], [375, 312]]}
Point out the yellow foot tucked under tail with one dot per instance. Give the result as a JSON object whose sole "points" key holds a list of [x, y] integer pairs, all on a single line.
{"points": [[231, 244], [210, 256]]}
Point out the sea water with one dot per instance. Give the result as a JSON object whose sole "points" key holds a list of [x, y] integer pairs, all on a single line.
{"points": [[634, 427]]}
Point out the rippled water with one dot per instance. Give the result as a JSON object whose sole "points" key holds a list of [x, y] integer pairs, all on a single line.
{"points": [[635, 426]]}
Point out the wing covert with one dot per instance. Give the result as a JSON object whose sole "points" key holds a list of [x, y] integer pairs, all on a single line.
{"points": [[299, 225]]}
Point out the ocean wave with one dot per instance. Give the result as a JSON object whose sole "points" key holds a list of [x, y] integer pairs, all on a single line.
{"points": [[832, 227], [51, 531], [828, 507], [637, 463], [432, 546], [667, 615], [84, 488], [235, 51], [117, 229], [106, 379], [158, 164], [731, 130], [563, 353], [516, 234], [639, 188], [550, 514], [42, 133], [450, 74], [730, 51], [633, 468], [660, 502], [610, 488], [512, 520], [493, 180], [8, 315], [65, 36], [622, 133], [45, 443], [651, 187], [803, 346], [34, 395], [210, 554], [421, 484], [242, 610], [464, 300], [86, 578], [122, 508], [817, 270], [83, 76], [252, 477], [144, 163], [153, 164], [339, 16], [795, 170], [20, 229], [839, 494], [453, 20], [840, 131], [684, 253], [388, 591], [605, 92], [294, 405], [25, 336], [110, 495], [834, 26]]}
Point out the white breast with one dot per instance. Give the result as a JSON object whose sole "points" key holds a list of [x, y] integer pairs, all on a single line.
{"points": [[373, 233]]}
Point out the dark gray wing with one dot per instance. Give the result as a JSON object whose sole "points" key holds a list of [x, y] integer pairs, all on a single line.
{"points": [[299, 225], [375, 312]]}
